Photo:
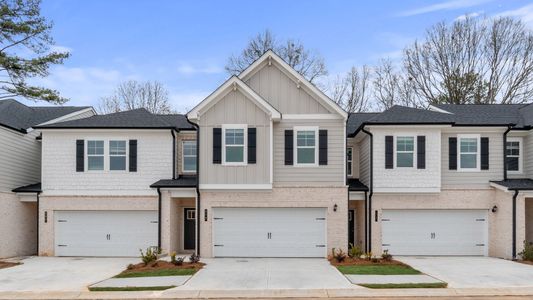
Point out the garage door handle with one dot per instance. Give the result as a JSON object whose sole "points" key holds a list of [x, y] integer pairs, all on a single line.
{"points": [[321, 246], [219, 245], [385, 220], [385, 245], [61, 245], [320, 219], [218, 218], [61, 221], [154, 222], [480, 245]]}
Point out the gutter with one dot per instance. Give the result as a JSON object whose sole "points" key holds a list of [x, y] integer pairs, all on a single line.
{"points": [[159, 218], [173, 154], [197, 187], [38, 213], [509, 127], [371, 189], [514, 224]]}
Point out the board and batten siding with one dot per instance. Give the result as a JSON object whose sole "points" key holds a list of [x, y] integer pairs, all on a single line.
{"points": [[364, 160], [234, 108], [20, 159], [331, 174], [454, 179], [271, 83], [154, 162], [350, 143]]}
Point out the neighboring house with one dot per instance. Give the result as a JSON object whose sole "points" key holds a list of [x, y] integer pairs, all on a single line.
{"points": [[268, 166], [20, 170]]}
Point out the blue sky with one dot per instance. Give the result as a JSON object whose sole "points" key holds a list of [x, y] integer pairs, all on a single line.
{"points": [[185, 44]]}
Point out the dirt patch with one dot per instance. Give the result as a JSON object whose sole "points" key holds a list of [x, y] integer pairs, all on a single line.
{"points": [[5, 264], [525, 262], [353, 262], [162, 265]]}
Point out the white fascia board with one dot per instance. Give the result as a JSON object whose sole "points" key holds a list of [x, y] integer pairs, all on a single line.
{"points": [[235, 186], [499, 187], [233, 83], [357, 196], [131, 193], [273, 56], [400, 190], [56, 120]]}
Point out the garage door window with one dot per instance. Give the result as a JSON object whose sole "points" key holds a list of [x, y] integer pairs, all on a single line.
{"points": [[95, 155], [117, 155]]}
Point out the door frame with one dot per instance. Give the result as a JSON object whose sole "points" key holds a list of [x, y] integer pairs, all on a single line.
{"points": [[183, 227], [354, 236]]}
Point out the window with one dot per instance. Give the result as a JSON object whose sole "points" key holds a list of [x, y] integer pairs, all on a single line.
{"points": [[95, 155], [234, 144], [191, 215], [469, 158], [189, 156], [306, 153], [117, 155], [405, 146], [513, 152], [349, 161]]}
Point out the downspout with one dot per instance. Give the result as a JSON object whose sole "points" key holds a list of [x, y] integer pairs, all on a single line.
{"points": [[38, 213], [505, 151], [159, 219], [197, 185], [173, 154], [514, 224], [366, 221], [369, 206]]}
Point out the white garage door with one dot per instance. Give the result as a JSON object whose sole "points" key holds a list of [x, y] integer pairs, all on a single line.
{"points": [[269, 232], [104, 233], [435, 232]]}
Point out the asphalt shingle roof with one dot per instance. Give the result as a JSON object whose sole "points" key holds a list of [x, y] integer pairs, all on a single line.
{"points": [[18, 116], [355, 185], [485, 114], [516, 184], [181, 182], [31, 188]]}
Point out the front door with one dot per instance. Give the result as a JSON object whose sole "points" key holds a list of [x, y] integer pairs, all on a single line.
{"points": [[351, 227], [189, 228]]}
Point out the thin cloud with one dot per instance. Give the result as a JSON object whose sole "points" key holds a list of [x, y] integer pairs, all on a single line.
{"points": [[190, 69], [470, 15], [525, 13], [183, 101], [447, 5]]}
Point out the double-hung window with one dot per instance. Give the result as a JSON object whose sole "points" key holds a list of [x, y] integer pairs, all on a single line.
{"points": [[349, 159], [117, 155], [95, 155], [189, 156], [234, 150], [513, 150], [405, 151], [469, 156], [306, 151]]}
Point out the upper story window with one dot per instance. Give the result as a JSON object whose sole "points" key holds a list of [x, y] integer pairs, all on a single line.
{"points": [[405, 151], [305, 150], [349, 160], [234, 144], [189, 156], [117, 155], [95, 155], [514, 154], [469, 156]]}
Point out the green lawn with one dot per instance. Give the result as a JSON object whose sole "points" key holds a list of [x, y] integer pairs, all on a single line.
{"points": [[130, 289], [406, 285], [155, 273], [378, 270]]}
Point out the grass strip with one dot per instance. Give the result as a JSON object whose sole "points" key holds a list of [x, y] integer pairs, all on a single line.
{"points": [[433, 285], [130, 288], [378, 270], [157, 273]]}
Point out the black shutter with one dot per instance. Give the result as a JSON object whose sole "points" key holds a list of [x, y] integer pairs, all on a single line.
{"points": [[452, 153], [217, 145], [389, 152], [80, 146], [322, 147], [421, 152], [252, 132], [484, 153], [133, 156], [289, 147]]}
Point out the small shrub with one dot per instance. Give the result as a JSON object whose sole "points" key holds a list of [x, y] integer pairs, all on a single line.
{"points": [[386, 256], [173, 257], [130, 267], [355, 251], [149, 256], [367, 256], [179, 260], [194, 258], [527, 253], [374, 259], [338, 255]]}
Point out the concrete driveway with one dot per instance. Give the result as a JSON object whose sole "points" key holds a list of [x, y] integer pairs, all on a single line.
{"points": [[474, 272], [60, 273], [266, 273]]}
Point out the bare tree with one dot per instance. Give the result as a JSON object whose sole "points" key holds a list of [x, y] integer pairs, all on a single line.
{"points": [[352, 90], [132, 94], [392, 87], [311, 65], [473, 61]]}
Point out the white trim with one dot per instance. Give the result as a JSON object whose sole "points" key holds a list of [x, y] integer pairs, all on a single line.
{"points": [[478, 154], [311, 117], [244, 127], [295, 145], [234, 83], [68, 116], [183, 157], [520, 141], [271, 152], [235, 186], [126, 156], [345, 163], [180, 192], [106, 155], [270, 55], [411, 190], [414, 166], [351, 160], [434, 108], [103, 155], [498, 186], [127, 192], [356, 196]]}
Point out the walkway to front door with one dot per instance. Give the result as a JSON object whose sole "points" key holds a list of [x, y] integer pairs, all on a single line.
{"points": [[266, 273]]}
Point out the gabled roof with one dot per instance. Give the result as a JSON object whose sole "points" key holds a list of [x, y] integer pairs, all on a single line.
{"points": [[234, 83], [20, 117], [271, 55], [132, 119]]}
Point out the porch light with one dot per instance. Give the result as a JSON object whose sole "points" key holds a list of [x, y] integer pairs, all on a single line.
{"points": [[205, 215], [335, 207], [494, 209]]}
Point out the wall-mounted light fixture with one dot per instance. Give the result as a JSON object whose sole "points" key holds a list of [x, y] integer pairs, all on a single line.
{"points": [[494, 209], [46, 217], [205, 214], [335, 207]]}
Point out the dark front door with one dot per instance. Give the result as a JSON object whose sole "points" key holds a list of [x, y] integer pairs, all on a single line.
{"points": [[189, 228], [351, 227]]}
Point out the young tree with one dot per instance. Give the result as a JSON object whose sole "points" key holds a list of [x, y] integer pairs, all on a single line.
{"points": [[132, 94], [23, 30], [310, 65]]}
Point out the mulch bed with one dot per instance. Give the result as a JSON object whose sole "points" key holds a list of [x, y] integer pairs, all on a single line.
{"points": [[162, 265], [526, 262], [352, 262], [5, 264]]}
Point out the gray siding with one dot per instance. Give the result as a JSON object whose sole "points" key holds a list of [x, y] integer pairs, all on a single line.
{"points": [[364, 161], [234, 108], [282, 92], [326, 175], [528, 155], [453, 179], [20, 159]]}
